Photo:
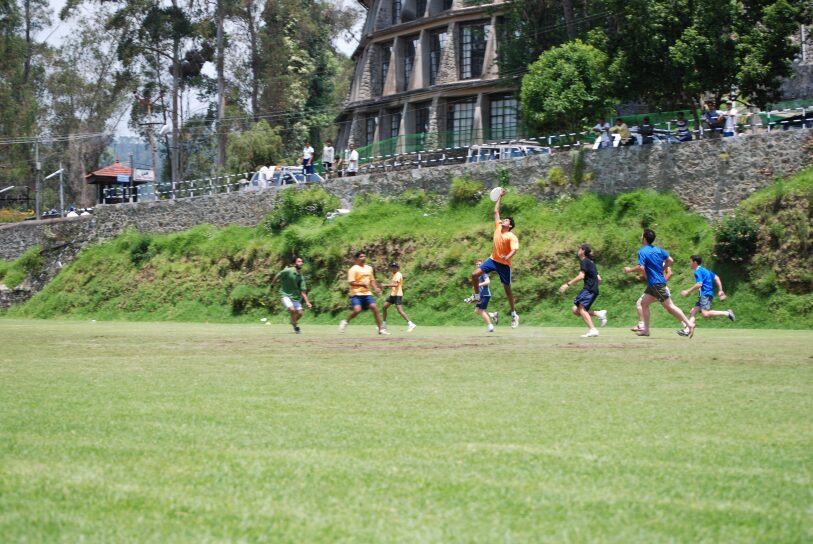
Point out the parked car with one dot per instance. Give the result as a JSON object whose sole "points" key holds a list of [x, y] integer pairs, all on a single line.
{"points": [[496, 152], [660, 136], [280, 176]]}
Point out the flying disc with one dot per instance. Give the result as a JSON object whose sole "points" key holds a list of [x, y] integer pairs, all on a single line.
{"points": [[495, 193]]}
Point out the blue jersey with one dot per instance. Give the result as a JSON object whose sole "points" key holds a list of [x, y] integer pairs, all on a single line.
{"points": [[705, 277], [485, 290], [651, 258]]}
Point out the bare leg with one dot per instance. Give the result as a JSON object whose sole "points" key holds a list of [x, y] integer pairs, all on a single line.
{"points": [[401, 311], [484, 314], [510, 295], [373, 308], [670, 307], [356, 310], [647, 300], [714, 313], [384, 310], [586, 317], [475, 280]]}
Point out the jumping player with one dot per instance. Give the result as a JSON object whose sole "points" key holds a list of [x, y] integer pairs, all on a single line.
{"points": [[292, 291], [361, 277], [704, 279], [396, 286], [587, 296], [653, 260], [506, 245]]}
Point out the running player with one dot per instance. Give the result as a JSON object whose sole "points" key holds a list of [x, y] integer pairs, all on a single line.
{"points": [[589, 293], [361, 278], [705, 280], [292, 291], [396, 286], [506, 245]]}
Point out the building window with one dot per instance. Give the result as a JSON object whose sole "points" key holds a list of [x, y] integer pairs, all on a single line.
{"points": [[504, 117], [410, 47], [473, 39], [420, 8], [437, 41], [395, 123], [460, 121], [396, 11], [422, 110], [369, 123], [386, 53]]}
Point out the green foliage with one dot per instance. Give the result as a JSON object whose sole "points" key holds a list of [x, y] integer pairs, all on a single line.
{"points": [[261, 145], [295, 204], [556, 177], [503, 176], [566, 87], [12, 273], [141, 250], [465, 191], [736, 238]]}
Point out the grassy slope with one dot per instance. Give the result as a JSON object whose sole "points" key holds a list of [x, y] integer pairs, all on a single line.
{"points": [[209, 274], [167, 432]]}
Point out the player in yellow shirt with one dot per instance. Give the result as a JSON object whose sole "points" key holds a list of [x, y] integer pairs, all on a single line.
{"points": [[396, 286], [361, 278], [506, 245]]}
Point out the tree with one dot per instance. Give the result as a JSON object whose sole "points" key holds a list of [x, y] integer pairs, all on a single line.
{"points": [[259, 146], [565, 87]]}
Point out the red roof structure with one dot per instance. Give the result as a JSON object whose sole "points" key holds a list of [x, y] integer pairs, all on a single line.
{"points": [[108, 188], [109, 174]]}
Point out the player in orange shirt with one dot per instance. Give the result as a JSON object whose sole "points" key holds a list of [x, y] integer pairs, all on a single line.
{"points": [[361, 278], [506, 245]]}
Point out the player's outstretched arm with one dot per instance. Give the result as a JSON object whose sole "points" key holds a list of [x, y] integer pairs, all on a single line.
{"points": [[497, 206], [579, 277], [687, 292]]}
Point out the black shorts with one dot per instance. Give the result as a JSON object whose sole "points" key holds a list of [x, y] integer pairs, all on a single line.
{"points": [[395, 300], [658, 290], [585, 298]]}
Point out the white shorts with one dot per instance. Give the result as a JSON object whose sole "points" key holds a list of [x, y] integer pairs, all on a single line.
{"points": [[288, 303]]}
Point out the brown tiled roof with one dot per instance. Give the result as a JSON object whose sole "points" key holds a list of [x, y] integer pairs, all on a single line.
{"points": [[111, 170]]}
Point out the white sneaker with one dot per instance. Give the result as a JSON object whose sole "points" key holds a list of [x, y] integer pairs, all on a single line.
{"points": [[383, 332], [490, 328], [342, 325], [495, 317], [514, 320], [592, 333], [411, 326], [383, 324], [474, 299], [602, 317]]}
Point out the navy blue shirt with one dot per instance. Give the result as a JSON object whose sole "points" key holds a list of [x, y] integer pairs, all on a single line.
{"points": [[651, 258], [485, 290]]}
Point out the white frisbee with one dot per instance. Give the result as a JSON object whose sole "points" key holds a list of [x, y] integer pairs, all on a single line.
{"points": [[495, 193]]}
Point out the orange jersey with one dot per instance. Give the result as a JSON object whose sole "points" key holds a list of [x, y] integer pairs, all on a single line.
{"points": [[360, 274], [504, 243], [397, 290]]}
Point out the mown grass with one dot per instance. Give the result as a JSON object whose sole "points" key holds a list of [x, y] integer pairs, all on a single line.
{"points": [[222, 275], [121, 431]]}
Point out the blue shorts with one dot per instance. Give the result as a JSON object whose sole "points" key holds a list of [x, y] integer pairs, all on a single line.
{"points": [[585, 298], [483, 304], [365, 301], [704, 302], [503, 270]]}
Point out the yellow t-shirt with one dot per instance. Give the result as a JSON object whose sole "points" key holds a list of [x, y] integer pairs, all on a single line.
{"points": [[397, 290], [360, 273], [503, 244]]}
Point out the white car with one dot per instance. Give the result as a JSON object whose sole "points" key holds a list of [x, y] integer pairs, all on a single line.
{"points": [[497, 152], [280, 176]]}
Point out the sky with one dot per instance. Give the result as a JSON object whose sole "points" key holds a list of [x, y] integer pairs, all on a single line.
{"points": [[55, 33]]}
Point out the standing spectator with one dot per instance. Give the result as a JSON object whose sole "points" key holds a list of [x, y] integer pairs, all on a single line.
{"points": [[683, 132], [602, 128], [646, 130], [623, 132], [307, 160], [730, 117], [352, 161], [713, 119], [327, 158]]}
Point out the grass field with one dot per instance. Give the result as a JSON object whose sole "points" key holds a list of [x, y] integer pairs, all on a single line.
{"points": [[167, 432]]}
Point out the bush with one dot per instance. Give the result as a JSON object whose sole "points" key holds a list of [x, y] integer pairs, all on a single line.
{"points": [[13, 216], [736, 238], [246, 297], [465, 191], [14, 272], [294, 205], [556, 177], [141, 250]]}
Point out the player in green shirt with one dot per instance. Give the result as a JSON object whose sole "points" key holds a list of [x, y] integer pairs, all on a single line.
{"points": [[292, 290]]}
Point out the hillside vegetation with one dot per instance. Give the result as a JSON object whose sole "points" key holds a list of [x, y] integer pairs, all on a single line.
{"points": [[223, 274]]}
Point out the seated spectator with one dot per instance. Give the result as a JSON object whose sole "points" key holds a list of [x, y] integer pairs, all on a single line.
{"points": [[683, 132], [713, 119], [602, 128], [646, 130], [623, 132]]}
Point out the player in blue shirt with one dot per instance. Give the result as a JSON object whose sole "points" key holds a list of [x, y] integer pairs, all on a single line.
{"points": [[483, 283], [653, 260], [705, 280]]}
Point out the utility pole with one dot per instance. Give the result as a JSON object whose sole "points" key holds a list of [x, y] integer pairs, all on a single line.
{"points": [[62, 193], [132, 178], [37, 180]]}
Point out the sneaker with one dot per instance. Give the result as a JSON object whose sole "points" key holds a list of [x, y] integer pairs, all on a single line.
{"points": [[681, 332], [592, 333], [495, 317], [297, 330], [642, 333], [731, 315], [383, 332], [411, 326], [383, 324], [474, 299], [342, 325], [514, 320], [602, 317], [490, 328]]}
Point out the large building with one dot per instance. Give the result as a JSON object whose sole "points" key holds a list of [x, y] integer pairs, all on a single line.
{"points": [[426, 76]]}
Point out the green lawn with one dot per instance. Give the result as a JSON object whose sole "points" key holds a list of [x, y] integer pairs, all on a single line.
{"points": [[167, 432]]}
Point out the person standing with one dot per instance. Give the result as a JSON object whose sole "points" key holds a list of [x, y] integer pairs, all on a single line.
{"points": [[327, 158], [506, 245], [307, 160], [704, 282], [396, 286], [683, 132], [352, 161], [730, 115], [653, 260], [589, 293], [361, 278], [602, 128], [647, 131], [292, 291]]}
